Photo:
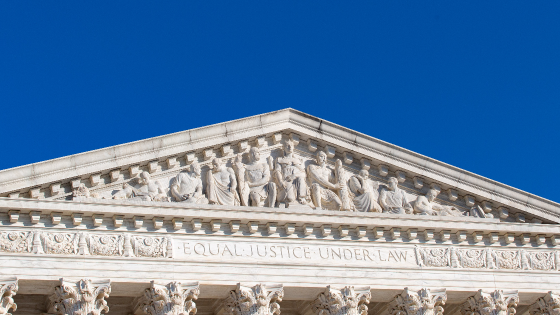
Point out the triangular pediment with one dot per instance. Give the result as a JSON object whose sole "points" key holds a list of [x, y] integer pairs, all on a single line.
{"points": [[103, 172]]}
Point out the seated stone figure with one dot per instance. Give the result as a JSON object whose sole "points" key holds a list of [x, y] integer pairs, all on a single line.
{"points": [[290, 178], [145, 190], [322, 187], [365, 192], [425, 205], [255, 187], [187, 186], [221, 185], [393, 199]]}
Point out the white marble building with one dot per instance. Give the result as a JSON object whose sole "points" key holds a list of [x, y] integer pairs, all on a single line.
{"points": [[281, 212]]}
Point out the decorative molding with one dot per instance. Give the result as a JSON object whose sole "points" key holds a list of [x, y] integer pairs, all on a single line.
{"points": [[257, 300], [173, 298], [498, 302], [84, 297], [345, 301]]}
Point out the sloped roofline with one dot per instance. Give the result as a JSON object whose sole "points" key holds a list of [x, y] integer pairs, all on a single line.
{"points": [[120, 156]]}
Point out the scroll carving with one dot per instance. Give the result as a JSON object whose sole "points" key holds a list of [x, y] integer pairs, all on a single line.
{"points": [[547, 305], [8, 288], [256, 300], [84, 297], [423, 302], [498, 302], [345, 301], [173, 298]]}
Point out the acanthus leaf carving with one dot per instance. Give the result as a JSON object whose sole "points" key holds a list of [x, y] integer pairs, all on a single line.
{"points": [[498, 302], [257, 300], [84, 297], [173, 298], [345, 301], [547, 305], [8, 288], [423, 302]]}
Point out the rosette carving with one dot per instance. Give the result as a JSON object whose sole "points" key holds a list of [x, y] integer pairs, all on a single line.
{"points": [[423, 302], [345, 301], [84, 297], [173, 298], [256, 300]]}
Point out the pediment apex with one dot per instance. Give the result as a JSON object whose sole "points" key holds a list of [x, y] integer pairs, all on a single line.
{"points": [[312, 134]]}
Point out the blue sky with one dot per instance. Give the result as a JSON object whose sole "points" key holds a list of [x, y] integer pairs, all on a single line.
{"points": [[475, 84]]}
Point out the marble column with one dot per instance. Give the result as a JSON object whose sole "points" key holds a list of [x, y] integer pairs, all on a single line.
{"points": [[257, 300], [421, 302], [547, 305], [344, 301], [173, 298], [8, 288], [82, 297], [497, 302]]}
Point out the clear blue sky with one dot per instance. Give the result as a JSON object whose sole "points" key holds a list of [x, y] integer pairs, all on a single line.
{"points": [[475, 84]]}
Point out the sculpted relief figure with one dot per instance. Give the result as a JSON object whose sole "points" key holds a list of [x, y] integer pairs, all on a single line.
{"points": [[221, 185], [255, 187], [187, 186], [393, 199], [425, 205], [145, 190], [342, 178], [322, 187], [290, 178], [365, 192]]}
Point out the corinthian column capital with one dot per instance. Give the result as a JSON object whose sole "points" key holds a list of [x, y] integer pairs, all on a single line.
{"points": [[422, 302], [173, 298], [257, 300], [345, 301], [498, 302], [549, 304], [83, 297], [8, 288]]}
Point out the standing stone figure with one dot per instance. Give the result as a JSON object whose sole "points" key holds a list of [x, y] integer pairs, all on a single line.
{"points": [[187, 186], [221, 185], [289, 176], [342, 179], [393, 199], [365, 192], [425, 205], [321, 177], [255, 188], [145, 190]]}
